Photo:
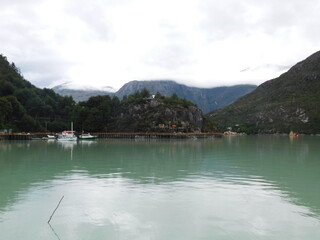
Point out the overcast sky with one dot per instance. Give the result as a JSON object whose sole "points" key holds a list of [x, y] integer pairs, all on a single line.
{"points": [[203, 43]]}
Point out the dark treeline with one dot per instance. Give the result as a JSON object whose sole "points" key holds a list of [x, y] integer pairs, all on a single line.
{"points": [[26, 108], [23, 107]]}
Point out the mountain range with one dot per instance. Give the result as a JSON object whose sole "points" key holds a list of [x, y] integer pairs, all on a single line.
{"points": [[207, 99], [25, 108], [289, 102]]}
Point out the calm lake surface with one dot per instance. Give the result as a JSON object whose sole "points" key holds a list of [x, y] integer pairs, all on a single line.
{"points": [[246, 187]]}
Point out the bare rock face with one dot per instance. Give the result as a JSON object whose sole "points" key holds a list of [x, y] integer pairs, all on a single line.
{"points": [[184, 117], [195, 116]]}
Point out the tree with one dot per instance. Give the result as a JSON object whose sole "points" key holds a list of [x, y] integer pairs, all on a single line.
{"points": [[5, 111], [174, 96], [6, 88], [145, 93]]}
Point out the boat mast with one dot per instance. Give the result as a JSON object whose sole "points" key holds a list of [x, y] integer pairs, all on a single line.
{"points": [[71, 126]]}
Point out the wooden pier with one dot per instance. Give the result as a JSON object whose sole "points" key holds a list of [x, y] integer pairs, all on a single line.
{"points": [[157, 135], [15, 136], [123, 135]]}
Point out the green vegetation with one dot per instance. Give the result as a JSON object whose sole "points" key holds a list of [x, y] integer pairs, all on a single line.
{"points": [[289, 102], [141, 112], [138, 112], [23, 107]]}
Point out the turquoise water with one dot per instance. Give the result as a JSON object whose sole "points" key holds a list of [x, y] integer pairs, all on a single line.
{"points": [[246, 187]]}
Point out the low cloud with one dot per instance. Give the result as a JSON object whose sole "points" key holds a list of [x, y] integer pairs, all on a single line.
{"points": [[199, 43]]}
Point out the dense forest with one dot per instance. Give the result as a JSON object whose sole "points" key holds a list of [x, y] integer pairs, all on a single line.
{"points": [[23, 107], [26, 108]]}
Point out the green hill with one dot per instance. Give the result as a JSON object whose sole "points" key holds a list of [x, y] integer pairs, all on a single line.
{"points": [[289, 102], [139, 112], [23, 107]]}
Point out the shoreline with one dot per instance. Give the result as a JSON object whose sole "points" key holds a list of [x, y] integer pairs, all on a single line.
{"points": [[120, 135]]}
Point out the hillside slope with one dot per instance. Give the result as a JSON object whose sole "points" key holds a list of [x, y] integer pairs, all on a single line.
{"points": [[23, 107], [291, 101]]}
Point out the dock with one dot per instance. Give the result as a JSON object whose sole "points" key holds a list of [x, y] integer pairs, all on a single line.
{"points": [[157, 135]]}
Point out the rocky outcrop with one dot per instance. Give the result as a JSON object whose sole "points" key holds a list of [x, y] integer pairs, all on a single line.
{"points": [[156, 114]]}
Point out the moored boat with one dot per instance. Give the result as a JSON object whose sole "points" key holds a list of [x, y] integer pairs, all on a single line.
{"points": [[87, 136], [67, 136], [51, 137]]}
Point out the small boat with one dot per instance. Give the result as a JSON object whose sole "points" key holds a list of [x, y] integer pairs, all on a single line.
{"points": [[51, 136], [67, 136], [87, 136], [293, 134]]}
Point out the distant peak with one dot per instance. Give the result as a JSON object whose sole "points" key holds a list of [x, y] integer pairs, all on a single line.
{"points": [[73, 86]]}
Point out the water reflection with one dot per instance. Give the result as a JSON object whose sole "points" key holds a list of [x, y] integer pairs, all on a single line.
{"points": [[67, 144], [88, 143], [247, 187], [54, 232]]}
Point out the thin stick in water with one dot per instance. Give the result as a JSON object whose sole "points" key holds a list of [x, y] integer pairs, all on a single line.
{"points": [[55, 209]]}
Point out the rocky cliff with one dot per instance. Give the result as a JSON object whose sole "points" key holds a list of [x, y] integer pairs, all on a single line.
{"points": [[161, 114]]}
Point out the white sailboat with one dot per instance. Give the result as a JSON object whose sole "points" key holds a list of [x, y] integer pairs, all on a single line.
{"points": [[67, 135]]}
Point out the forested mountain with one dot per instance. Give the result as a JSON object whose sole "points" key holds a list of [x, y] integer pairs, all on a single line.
{"points": [[23, 107], [289, 102], [207, 99]]}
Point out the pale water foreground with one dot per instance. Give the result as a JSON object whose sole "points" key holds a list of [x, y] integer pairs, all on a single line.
{"points": [[230, 188]]}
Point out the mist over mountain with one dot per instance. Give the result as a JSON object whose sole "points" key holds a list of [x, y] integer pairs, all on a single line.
{"points": [[82, 94]]}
